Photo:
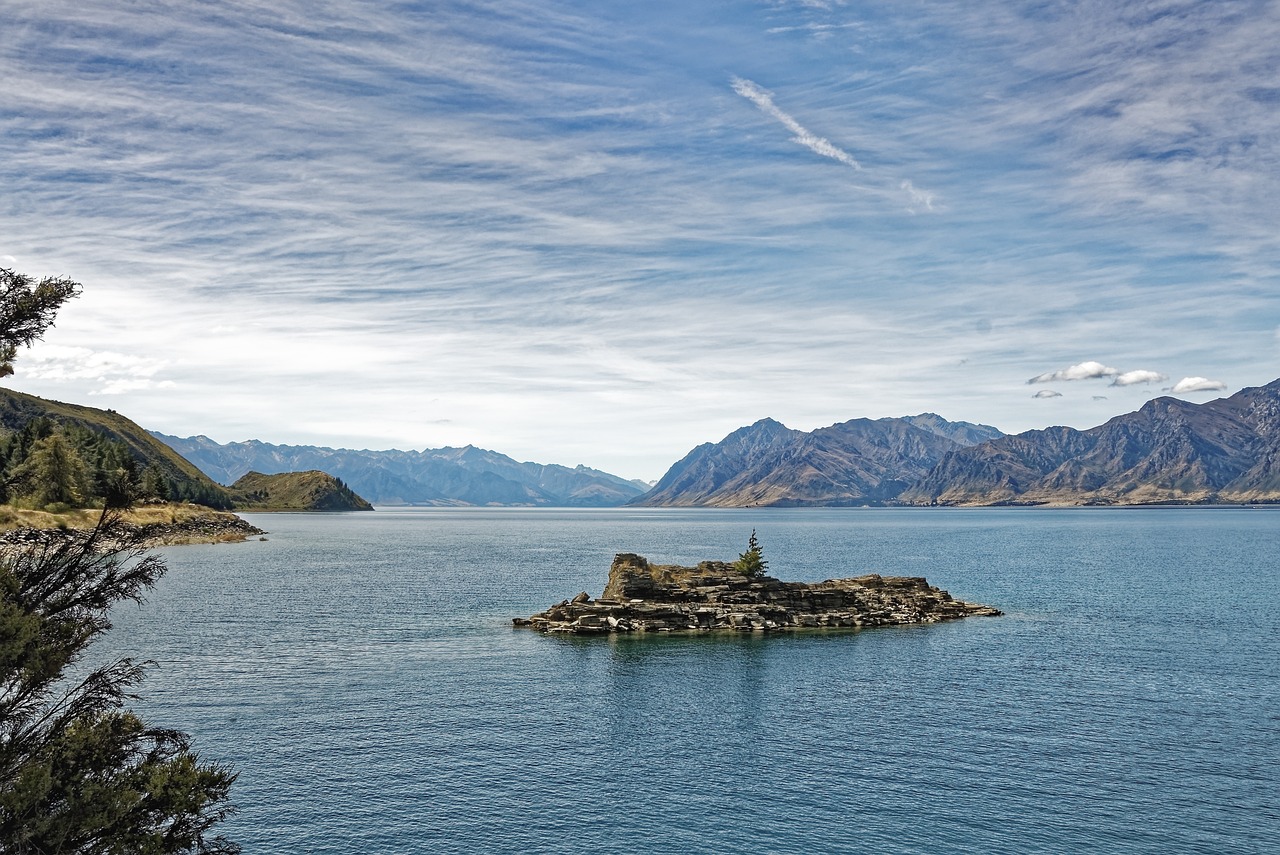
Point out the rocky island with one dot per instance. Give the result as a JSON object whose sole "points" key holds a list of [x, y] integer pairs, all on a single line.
{"points": [[718, 596]]}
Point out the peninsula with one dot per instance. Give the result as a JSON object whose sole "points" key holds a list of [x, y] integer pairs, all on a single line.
{"points": [[716, 596]]}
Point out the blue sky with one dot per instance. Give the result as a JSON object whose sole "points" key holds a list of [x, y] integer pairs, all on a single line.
{"points": [[602, 233]]}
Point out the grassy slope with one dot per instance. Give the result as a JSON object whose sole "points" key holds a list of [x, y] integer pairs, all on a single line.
{"points": [[313, 490], [16, 409], [290, 491]]}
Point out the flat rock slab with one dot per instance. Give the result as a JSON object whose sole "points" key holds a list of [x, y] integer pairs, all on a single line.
{"points": [[644, 597]]}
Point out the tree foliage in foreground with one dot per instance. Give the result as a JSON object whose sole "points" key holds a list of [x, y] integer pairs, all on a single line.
{"points": [[27, 309], [751, 563], [78, 773]]}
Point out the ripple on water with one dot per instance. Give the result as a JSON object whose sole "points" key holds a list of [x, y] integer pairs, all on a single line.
{"points": [[360, 672]]}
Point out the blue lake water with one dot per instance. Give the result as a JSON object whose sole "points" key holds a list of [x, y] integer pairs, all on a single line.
{"points": [[361, 673]]}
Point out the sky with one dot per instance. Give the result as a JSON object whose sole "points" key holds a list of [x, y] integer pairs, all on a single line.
{"points": [[604, 232]]}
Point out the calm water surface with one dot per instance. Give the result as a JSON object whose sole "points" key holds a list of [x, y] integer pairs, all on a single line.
{"points": [[361, 673]]}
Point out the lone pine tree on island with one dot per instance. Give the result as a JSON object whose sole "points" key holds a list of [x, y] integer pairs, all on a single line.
{"points": [[751, 563], [78, 772]]}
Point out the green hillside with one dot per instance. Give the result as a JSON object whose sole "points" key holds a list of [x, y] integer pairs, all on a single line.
{"points": [[295, 491], [106, 444]]}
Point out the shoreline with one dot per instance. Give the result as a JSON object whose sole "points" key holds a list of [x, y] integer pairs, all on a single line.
{"points": [[158, 525]]}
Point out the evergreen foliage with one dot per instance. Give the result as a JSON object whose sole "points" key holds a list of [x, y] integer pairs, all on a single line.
{"points": [[77, 772], [46, 464], [751, 563], [27, 309], [114, 474]]}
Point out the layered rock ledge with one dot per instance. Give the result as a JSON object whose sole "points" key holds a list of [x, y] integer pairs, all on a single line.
{"points": [[714, 596]]}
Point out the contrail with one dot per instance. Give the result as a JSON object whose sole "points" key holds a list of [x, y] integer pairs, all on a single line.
{"points": [[817, 144]]}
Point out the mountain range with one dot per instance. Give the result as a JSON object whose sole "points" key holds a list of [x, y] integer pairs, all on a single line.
{"points": [[1169, 451], [1226, 450], [442, 476], [858, 462]]}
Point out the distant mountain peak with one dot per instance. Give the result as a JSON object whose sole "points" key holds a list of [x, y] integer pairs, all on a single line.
{"points": [[766, 463], [446, 476], [1169, 450], [965, 433], [767, 426]]}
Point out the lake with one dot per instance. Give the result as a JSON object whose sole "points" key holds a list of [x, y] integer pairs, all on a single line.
{"points": [[361, 673]]}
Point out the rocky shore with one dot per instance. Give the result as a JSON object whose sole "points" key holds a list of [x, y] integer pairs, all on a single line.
{"points": [[714, 596], [222, 528], [200, 525]]}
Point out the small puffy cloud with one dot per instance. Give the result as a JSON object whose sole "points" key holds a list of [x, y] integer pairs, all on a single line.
{"points": [[1132, 378], [1197, 384], [1099, 397], [1084, 371], [1047, 393]]}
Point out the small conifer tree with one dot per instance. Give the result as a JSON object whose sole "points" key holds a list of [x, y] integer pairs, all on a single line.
{"points": [[751, 563]]}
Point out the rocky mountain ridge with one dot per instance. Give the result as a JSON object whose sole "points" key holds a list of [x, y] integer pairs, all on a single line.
{"points": [[858, 462], [1168, 451], [442, 477]]}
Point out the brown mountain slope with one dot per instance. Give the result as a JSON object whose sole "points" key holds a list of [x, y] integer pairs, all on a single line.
{"points": [[1168, 451], [857, 462]]}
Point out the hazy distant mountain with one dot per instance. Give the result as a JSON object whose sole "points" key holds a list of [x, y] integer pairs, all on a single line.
{"points": [[853, 463], [444, 476], [1170, 450]]}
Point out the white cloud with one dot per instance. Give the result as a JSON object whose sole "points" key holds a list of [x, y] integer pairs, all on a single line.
{"points": [[1047, 393], [811, 141], [1141, 375], [816, 29], [123, 386], [1083, 371], [919, 198], [507, 206], [104, 372], [1197, 384]]}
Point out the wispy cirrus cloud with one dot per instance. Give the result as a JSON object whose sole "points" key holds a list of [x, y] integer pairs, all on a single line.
{"points": [[510, 204], [818, 145], [917, 199]]}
